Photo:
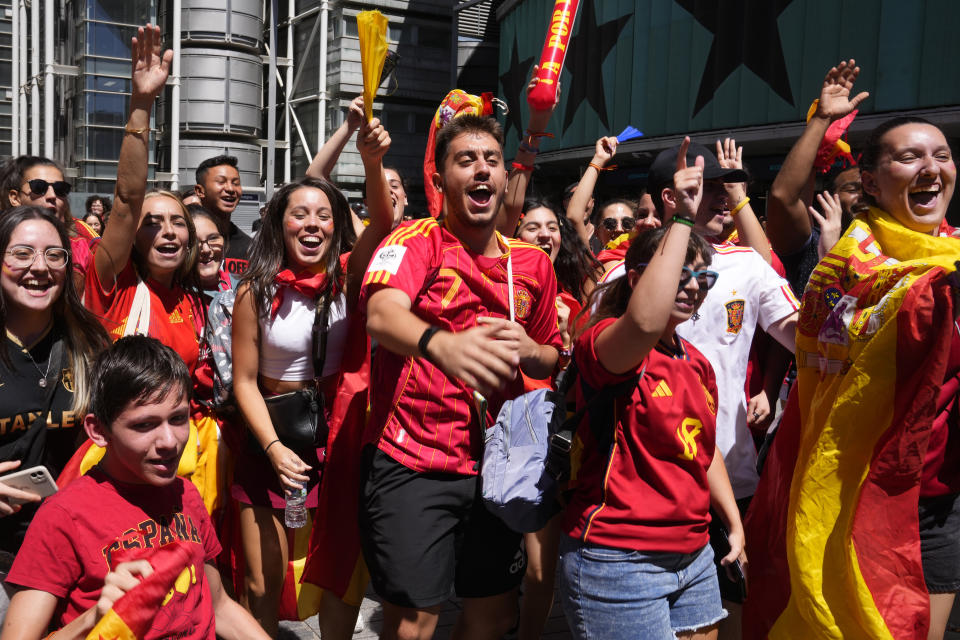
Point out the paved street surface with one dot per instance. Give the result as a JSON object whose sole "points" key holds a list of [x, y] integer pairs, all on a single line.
{"points": [[370, 609]]}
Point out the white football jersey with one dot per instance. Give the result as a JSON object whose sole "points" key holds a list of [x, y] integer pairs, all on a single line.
{"points": [[748, 293]]}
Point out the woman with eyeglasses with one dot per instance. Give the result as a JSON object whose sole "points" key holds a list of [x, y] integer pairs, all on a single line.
{"points": [[636, 559], [50, 342], [211, 248], [38, 181]]}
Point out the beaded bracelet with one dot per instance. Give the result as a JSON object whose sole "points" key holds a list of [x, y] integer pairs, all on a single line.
{"points": [[740, 205]]}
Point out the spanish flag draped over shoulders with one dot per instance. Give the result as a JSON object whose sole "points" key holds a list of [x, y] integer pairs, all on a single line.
{"points": [[842, 482]]}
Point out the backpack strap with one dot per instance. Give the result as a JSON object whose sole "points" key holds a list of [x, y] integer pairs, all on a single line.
{"points": [[319, 332], [558, 454]]}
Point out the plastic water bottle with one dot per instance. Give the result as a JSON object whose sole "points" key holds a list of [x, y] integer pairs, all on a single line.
{"points": [[295, 511]]}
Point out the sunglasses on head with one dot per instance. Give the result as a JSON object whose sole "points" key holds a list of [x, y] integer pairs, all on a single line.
{"points": [[39, 186], [611, 224], [705, 278]]}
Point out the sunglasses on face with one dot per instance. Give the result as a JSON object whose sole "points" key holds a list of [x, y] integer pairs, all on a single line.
{"points": [[39, 186], [611, 224], [23, 257], [705, 278]]}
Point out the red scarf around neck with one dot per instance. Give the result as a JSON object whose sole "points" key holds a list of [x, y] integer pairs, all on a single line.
{"points": [[307, 282]]}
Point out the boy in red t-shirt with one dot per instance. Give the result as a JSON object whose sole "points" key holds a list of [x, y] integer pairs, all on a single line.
{"points": [[437, 298], [140, 409]]}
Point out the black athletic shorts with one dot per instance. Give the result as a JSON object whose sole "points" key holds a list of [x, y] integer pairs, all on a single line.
{"points": [[428, 535], [940, 542], [729, 590]]}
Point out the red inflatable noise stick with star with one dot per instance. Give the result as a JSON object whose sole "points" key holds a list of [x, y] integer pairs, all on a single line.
{"points": [[833, 145], [542, 96]]}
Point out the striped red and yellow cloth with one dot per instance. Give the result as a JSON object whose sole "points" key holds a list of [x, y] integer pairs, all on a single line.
{"points": [[131, 616], [833, 530], [334, 561]]}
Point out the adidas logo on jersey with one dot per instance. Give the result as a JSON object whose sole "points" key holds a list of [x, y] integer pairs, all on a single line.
{"points": [[662, 390]]}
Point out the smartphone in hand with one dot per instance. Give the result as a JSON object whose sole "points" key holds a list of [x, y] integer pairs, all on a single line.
{"points": [[36, 480]]}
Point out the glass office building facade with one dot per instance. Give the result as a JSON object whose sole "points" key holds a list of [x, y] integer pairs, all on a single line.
{"points": [[96, 98], [223, 82]]}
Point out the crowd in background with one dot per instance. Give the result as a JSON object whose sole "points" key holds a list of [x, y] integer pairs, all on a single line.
{"points": [[407, 334]]}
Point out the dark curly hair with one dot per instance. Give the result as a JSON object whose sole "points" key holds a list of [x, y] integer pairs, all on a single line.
{"points": [[574, 264]]}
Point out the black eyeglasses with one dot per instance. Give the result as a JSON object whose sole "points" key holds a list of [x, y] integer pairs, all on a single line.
{"points": [[214, 241], [612, 224], [705, 278], [39, 186]]}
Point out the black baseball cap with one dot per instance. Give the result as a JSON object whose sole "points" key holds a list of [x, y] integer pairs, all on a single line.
{"points": [[665, 165]]}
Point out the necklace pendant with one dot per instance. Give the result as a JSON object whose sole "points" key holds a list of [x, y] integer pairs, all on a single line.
{"points": [[43, 383]]}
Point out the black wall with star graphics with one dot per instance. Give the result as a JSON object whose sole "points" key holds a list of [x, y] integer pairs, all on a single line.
{"points": [[676, 66]]}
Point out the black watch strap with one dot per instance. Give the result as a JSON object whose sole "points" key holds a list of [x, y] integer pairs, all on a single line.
{"points": [[425, 340]]}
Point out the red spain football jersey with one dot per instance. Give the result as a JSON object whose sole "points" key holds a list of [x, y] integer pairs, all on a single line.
{"points": [[644, 486], [172, 318], [418, 416]]}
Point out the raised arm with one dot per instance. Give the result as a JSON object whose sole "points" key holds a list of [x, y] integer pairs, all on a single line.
{"points": [[730, 156], [373, 142], [605, 149], [151, 66], [788, 225], [329, 153], [519, 179], [625, 343]]}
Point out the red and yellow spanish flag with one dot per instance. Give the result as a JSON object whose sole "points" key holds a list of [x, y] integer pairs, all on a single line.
{"points": [[132, 615], [833, 531], [334, 561]]}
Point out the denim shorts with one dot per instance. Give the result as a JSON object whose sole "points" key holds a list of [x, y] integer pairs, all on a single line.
{"points": [[614, 593]]}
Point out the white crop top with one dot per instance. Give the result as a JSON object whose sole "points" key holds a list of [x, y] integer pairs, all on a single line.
{"points": [[285, 342]]}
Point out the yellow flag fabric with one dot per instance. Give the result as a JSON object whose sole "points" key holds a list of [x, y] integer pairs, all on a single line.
{"points": [[199, 462], [372, 31], [874, 323]]}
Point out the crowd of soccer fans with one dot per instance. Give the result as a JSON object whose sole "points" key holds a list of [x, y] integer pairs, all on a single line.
{"points": [[158, 362]]}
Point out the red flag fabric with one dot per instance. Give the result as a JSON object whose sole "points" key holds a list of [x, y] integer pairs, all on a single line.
{"points": [[836, 508], [334, 561], [132, 615]]}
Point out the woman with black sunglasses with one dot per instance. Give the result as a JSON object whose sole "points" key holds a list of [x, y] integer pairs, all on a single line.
{"points": [[636, 560], [38, 181]]}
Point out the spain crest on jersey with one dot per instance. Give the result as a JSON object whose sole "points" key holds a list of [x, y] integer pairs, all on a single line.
{"points": [[735, 316], [521, 303]]}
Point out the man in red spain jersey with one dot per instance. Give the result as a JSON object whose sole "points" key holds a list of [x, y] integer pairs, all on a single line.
{"points": [[437, 299]]}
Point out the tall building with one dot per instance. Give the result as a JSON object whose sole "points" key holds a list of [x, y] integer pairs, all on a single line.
{"points": [[73, 86]]}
